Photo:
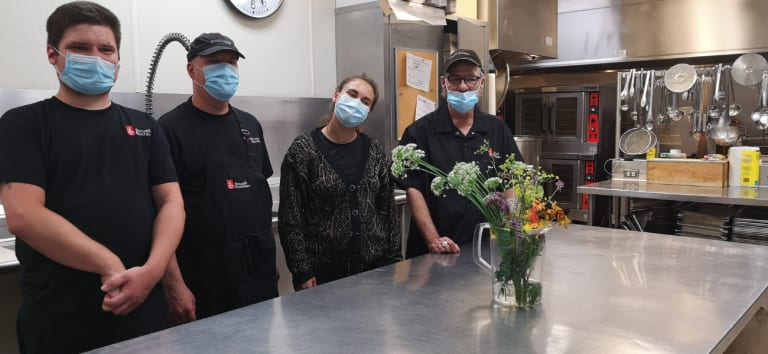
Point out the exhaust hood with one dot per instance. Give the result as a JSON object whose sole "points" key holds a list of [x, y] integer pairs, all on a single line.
{"points": [[521, 30]]}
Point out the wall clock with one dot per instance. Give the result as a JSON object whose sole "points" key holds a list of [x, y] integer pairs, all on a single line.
{"points": [[256, 8]]}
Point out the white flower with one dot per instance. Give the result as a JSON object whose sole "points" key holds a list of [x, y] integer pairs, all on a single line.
{"points": [[438, 186], [492, 183], [463, 177], [404, 158]]}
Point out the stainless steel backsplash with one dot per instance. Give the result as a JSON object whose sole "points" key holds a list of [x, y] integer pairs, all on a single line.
{"points": [[283, 118]]}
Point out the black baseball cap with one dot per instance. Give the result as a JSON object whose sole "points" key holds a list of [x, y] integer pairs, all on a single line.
{"points": [[463, 55], [209, 43]]}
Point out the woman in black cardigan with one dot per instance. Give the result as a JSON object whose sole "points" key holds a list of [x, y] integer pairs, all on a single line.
{"points": [[337, 209]]}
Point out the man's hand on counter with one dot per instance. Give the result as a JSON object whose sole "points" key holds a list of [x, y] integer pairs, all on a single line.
{"points": [[443, 245], [181, 304]]}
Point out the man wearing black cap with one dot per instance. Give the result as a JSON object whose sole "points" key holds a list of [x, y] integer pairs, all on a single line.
{"points": [[227, 253], [452, 133]]}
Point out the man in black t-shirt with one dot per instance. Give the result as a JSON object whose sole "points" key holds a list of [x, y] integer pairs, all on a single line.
{"points": [[227, 254], [453, 133], [90, 192]]}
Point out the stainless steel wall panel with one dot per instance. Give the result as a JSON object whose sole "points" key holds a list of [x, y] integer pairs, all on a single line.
{"points": [[521, 28], [593, 32], [361, 48], [365, 42], [282, 118]]}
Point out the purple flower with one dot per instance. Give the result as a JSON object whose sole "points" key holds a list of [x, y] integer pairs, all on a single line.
{"points": [[559, 185], [497, 199], [518, 227]]}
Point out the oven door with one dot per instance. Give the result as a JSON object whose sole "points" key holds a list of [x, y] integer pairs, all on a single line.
{"points": [[572, 173], [567, 116], [531, 115], [553, 116]]}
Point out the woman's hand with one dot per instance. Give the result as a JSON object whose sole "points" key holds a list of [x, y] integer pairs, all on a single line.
{"points": [[311, 283]]}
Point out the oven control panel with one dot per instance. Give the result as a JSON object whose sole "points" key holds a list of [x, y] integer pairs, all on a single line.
{"points": [[589, 178], [593, 120]]}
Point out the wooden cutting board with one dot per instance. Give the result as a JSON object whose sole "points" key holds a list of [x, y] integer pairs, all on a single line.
{"points": [[689, 172]]}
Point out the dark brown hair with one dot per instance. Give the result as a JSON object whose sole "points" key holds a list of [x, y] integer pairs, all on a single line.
{"points": [[78, 13], [364, 77]]}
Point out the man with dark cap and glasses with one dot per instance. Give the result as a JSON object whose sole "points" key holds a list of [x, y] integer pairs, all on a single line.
{"points": [[451, 134], [227, 253]]}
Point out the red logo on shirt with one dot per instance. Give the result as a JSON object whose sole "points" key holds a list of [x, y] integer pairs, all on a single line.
{"points": [[230, 183], [130, 130]]}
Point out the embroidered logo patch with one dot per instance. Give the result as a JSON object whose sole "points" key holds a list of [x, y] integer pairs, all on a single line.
{"points": [[493, 154], [132, 131], [232, 184]]}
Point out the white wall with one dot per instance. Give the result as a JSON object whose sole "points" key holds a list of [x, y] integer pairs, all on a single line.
{"points": [[290, 54]]}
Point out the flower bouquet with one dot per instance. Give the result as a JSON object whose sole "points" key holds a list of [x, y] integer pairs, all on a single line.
{"points": [[512, 199]]}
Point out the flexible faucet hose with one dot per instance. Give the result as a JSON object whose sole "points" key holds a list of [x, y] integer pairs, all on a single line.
{"points": [[167, 39]]}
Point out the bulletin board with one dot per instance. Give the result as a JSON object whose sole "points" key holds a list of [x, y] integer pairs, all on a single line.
{"points": [[407, 95]]}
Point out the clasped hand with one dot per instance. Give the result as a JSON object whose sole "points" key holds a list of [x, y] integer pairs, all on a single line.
{"points": [[127, 290]]}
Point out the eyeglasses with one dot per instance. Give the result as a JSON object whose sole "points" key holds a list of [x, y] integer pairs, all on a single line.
{"points": [[469, 80]]}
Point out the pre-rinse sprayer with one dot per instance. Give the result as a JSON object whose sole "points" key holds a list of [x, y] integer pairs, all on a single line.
{"points": [[168, 38]]}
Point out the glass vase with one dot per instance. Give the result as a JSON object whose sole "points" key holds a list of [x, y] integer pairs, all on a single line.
{"points": [[515, 264]]}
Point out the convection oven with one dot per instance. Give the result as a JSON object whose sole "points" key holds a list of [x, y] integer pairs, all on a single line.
{"points": [[576, 128]]}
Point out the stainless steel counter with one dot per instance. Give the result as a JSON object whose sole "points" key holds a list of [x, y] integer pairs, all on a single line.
{"points": [[634, 189], [8, 261], [605, 291]]}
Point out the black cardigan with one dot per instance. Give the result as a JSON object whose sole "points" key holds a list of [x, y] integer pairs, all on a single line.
{"points": [[323, 220]]}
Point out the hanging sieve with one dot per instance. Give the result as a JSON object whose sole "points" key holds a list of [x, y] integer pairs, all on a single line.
{"points": [[637, 141]]}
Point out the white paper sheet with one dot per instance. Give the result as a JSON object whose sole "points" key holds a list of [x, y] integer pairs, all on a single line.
{"points": [[423, 106], [417, 72]]}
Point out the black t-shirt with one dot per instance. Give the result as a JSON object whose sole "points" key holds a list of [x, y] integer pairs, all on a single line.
{"points": [[444, 145], [97, 169], [346, 159]]}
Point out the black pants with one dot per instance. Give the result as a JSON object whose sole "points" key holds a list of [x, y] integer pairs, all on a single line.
{"points": [[77, 330], [225, 275]]}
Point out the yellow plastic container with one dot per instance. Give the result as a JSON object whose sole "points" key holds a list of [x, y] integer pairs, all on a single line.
{"points": [[750, 168], [651, 154]]}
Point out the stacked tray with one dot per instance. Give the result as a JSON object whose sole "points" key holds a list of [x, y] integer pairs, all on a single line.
{"points": [[705, 221], [748, 227]]}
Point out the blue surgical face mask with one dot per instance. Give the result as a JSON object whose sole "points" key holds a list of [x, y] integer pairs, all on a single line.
{"points": [[350, 111], [221, 80], [463, 102], [87, 74]]}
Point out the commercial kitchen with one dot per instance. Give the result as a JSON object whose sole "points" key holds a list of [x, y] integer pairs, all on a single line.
{"points": [[653, 112]]}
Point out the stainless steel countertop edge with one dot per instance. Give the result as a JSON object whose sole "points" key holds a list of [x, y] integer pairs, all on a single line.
{"points": [[750, 196]]}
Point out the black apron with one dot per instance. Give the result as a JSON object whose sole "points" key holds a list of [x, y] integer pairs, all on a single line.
{"points": [[231, 262]]}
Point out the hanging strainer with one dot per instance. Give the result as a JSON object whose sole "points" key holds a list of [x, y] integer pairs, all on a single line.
{"points": [[637, 141]]}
